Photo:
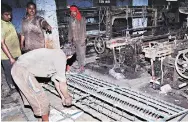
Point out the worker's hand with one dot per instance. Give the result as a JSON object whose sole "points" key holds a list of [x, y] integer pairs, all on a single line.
{"points": [[49, 28], [67, 101], [21, 46], [12, 61]]}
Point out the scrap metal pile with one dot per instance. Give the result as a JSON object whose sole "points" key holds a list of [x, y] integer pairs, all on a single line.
{"points": [[106, 101]]}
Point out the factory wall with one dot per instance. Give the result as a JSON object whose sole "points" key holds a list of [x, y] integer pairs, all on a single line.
{"points": [[123, 3], [81, 3], [17, 16], [47, 9]]}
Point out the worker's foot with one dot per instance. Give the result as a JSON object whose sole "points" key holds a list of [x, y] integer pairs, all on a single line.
{"points": [[155, 83], [81, 69], [12, 86], [68, 68]]}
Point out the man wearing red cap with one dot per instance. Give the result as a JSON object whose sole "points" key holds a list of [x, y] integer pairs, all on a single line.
{"points": [[77, 35]]}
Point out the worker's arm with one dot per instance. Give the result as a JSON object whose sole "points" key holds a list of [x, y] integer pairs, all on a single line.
{"points": [[22, 38], [84, 29], [63, 91], [44, 24], [6, 51], [22, 42], [59, 78]]}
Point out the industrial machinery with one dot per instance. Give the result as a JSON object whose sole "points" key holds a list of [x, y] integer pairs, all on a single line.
{"points": [[125, 30], [107, 101], [112, 28], [120, 35], [181, 63], [172, 68], [155, 47]]}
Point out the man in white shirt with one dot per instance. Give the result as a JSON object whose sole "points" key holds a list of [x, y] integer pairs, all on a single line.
{"points": [[41, 63]]}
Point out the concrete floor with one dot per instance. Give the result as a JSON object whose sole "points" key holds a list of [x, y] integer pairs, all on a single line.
{"points": [[13, 109]]}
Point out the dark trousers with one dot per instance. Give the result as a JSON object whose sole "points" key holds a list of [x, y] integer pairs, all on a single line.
{"points": [[71, 60], [7, 70]]}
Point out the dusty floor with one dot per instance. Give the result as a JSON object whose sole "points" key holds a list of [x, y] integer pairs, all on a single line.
{"points": [[13, 109]]}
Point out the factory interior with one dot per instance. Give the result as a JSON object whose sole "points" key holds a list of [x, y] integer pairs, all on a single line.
{"points": [[136, 61]]}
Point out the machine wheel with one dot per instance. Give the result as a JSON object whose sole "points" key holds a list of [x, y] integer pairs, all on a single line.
{"points": [[99, 45], [181, 63]]}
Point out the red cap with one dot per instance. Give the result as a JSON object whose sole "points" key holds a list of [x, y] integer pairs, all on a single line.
{"points": [[75, 9]]}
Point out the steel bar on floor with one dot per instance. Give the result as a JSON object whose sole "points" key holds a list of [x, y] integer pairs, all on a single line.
{"points": [[105, 100]]}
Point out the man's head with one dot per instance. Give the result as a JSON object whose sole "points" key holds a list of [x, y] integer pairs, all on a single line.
{"points": [[6, 12], [31, 9], [75, 12]]}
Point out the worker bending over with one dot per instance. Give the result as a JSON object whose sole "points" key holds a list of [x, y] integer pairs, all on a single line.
{"points": [[41, 63]]}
